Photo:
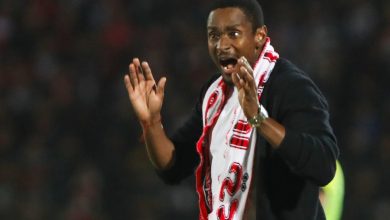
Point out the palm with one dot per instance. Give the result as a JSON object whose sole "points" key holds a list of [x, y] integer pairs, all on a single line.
{"points": [[145, 96], [245, 84], [145, 101], [247, 100]]}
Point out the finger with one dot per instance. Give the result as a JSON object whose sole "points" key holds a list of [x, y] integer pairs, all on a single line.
{"points": [[140, 72], [128, 84], [240, 74], [244, 62], [248, 78], [236, 80], [161, 86], [240, 78], [241, 82], [148, 73], [247, 82], [245, 68], [133, 75]]}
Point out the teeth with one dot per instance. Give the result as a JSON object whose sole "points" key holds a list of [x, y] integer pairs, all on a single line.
{"points": [[230, 66]]}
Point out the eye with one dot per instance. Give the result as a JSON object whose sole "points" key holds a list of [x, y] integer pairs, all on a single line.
{"points": [[234, 34], [213, 35]]}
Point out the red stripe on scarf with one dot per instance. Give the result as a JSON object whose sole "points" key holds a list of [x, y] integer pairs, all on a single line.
{"points": [[203, 172]]}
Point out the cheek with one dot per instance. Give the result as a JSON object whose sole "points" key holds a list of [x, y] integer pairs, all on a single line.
{"points": [[211, 47], [212, 51], [243, 45], [248, 50]]}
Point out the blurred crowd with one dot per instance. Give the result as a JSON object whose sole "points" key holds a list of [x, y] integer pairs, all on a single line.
{"points": [[70, 145]]}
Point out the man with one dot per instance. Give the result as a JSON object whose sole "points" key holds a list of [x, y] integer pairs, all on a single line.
{"points": [[332, 195], [259, 136]]}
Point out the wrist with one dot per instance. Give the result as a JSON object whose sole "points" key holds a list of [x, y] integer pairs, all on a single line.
{"points": [[152, 122], [258, 119]]}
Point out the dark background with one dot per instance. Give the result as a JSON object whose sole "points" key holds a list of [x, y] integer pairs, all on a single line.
{"points": [[69, 144]]}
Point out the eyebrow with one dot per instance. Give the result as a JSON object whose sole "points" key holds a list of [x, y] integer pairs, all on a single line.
{"points": [[228, 27]]}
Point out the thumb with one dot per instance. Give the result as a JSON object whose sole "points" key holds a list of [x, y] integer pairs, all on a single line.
{"points": [[161, 86], [236, 80]]}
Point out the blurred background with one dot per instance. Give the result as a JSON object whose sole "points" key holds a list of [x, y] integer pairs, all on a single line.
{"points": [[69, 141]]}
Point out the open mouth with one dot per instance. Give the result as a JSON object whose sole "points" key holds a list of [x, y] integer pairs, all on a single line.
{"points": [[228, 64]]}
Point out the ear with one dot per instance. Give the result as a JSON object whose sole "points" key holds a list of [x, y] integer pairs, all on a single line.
{"points": [[260, 36]]}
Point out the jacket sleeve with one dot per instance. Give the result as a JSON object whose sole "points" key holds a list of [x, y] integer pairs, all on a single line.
{"points": [[309, 147], [186, 157]]}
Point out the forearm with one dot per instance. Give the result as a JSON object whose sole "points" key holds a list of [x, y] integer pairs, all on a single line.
{"points": [[309, 155], [146, 97], [159, 147], [272, 131]]}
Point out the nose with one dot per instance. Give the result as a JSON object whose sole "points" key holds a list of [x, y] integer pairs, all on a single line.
{"points": [[223, 44]]}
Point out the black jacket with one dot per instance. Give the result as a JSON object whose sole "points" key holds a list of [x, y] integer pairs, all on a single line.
{"points": [[287, 180]]}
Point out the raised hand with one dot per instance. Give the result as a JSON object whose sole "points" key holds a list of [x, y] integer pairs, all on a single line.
{"points": [[247, 89], [145, 96]]}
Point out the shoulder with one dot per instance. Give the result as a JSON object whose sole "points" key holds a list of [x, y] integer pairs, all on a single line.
{"points": [[288, 78], [290, 88], [285, 73]]}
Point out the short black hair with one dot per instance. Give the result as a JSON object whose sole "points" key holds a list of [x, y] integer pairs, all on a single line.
{"points": [[251, 8]]}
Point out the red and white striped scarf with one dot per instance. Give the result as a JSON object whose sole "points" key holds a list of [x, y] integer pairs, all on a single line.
{"points": [[227, 147]]}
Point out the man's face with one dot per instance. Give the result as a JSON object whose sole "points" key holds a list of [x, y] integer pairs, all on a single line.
{"points": [[230, 36]]}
